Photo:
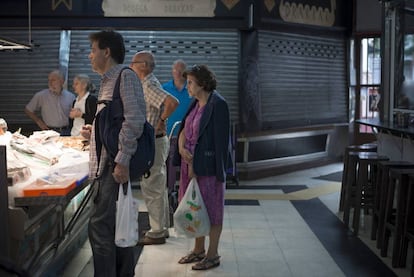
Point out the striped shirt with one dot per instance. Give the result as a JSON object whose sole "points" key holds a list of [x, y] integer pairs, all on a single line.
{"points": [[154, 98], [134, 112]]}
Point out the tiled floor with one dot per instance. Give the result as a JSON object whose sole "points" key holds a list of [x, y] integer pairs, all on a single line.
{"points": [[287, 225]]}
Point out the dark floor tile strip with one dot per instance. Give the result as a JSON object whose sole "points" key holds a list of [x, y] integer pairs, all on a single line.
{"points": [[335, 177], [286, 189], [349, 252], [241, 202]]}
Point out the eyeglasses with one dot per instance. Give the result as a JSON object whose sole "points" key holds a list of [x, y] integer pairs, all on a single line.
{"points": [[139, 62], [195, 68]]}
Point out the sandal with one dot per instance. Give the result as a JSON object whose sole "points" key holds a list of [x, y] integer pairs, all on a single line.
{"points": [[206, 263], [192, 258]]}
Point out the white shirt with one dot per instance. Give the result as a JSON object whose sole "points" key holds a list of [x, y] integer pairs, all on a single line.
{"points": [[78, 122]]}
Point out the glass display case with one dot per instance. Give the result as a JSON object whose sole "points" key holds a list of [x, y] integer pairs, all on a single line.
{"points": [[39, 233]]}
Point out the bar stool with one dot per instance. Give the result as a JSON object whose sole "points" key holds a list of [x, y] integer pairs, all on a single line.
{"points": [[349, 185], [369, 147], [361, 168], [397, 191], [383, 171], [365, 185], [408, 230]]}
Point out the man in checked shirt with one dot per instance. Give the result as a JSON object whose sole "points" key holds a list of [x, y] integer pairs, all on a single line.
{"points": [[106, 57], [159, 104]]}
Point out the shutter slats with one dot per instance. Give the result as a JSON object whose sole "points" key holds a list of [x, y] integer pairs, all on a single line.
{"points": [[302, 79], [219, 50], [25, 72]]}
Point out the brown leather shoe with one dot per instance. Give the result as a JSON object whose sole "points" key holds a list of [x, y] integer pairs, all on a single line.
{"points": [[149, 241], [166, 234]]}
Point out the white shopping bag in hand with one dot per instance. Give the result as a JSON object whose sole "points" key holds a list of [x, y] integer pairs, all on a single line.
{"points": [[126, 226], [191, 217]]}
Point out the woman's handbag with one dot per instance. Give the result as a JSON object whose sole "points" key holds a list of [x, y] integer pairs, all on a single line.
{"points": [[126, 225], [191, 217]]}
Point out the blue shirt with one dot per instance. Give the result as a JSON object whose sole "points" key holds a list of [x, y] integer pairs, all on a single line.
{"points": [[53, 108], [182, 108]]}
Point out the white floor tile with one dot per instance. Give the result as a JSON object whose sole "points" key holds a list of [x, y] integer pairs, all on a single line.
{"points": [[270, 254], [271, 239], [264, 269]]}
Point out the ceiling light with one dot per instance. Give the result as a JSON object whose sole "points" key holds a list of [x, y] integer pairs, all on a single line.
{"points": [[9, 44]]}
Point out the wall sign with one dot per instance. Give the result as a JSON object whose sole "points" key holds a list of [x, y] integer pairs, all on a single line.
{"points": [[292, 11], [66, 3], [230, 3], [161, 8]]}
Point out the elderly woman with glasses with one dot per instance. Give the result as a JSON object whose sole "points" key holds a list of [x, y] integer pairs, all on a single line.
{"points": [[204, 147]]}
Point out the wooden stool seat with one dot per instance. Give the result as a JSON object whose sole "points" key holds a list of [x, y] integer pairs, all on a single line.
{"points": [[381, 195], [408, 229], [348, 170], [365, 185], [359, 190], [396, 192]]}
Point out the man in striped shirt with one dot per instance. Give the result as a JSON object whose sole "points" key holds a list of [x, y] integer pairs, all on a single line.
{"points": [[160, 104]]}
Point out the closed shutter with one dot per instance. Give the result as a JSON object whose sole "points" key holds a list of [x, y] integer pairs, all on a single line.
{"points": [[219, 50], [302, 80], [23, 73]]}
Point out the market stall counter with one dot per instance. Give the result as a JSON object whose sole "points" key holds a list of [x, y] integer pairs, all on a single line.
{"points": [[45, 200], [395, 140]]}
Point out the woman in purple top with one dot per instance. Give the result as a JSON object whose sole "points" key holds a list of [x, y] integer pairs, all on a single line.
{"points": [[204, 146]]}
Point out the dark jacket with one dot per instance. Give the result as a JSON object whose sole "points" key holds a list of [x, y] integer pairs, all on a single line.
{"points": [[212, 156], [90, 110]]}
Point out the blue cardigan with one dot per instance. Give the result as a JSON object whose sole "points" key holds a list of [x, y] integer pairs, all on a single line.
{"points": [[212, 153]]}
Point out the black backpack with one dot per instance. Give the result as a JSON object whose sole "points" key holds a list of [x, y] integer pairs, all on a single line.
{"points": [[108, 124]]}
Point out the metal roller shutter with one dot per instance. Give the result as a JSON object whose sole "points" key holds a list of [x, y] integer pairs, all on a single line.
{"points": [[23, 73], [219, 50], [302, 80]]}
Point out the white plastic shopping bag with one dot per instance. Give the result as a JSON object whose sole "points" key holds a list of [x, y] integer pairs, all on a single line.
{"points": [[191, 217], [126, 226]]}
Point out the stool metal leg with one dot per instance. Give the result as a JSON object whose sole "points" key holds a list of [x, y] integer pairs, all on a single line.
{"points": [[361, 181]]}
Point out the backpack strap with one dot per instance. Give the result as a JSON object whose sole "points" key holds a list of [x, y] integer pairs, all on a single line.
{"points": [[98, 142], [115, 94]]}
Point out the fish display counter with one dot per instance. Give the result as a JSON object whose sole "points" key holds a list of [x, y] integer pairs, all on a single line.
{"points": [[44, 198]]}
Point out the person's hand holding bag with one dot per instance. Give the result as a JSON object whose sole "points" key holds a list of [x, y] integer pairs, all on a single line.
{"points": [[126, 225], [191, 217]]}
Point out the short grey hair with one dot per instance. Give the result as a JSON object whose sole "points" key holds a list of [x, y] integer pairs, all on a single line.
{"points": [[3, 124]]}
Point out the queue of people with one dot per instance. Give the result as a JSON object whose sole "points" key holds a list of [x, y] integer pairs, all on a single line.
{"points": [[201, 145]]}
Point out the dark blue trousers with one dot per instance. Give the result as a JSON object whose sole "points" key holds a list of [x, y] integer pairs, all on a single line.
{"points": [[108, 259]]}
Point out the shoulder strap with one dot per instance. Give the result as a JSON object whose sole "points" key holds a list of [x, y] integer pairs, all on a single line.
{"points": [[118, 82], [115, 95]]}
